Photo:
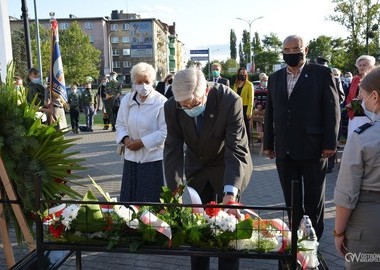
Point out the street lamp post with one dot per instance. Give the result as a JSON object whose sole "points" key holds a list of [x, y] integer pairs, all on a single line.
{"points": [[249, 22]]}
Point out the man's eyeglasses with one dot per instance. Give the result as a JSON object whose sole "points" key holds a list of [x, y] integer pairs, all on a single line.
{"points": [[188, 104]]}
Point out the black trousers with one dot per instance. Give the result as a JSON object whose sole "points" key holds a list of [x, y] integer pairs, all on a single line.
{"points": [[207, 195], [311, 176], [74, 118]]}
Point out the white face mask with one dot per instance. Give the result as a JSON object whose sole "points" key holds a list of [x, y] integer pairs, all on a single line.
{"points": [[370, 115], [113, 78], [143, 89]]}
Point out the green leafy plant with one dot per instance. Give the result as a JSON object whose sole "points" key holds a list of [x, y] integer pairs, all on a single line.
{"points": [[35, 155]]}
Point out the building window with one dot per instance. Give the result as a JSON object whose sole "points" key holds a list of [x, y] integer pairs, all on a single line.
{"points": [[125, 39], [64, 25], [126, 51], [126, 64], [88, 25], [114, 39], [125, 26], [115, 52], [114, 27], [116, 64], [91, 38]]}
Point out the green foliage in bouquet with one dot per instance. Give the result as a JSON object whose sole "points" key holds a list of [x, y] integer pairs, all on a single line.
{"points": [[90, 218], [31, 150]]}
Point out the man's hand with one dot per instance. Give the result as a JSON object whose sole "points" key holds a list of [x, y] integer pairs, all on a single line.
{"points": [[270, 153], [229, 198], [326, 153]]}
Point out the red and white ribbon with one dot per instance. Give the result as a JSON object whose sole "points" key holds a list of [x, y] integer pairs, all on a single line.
{"points": [[148, 218]]}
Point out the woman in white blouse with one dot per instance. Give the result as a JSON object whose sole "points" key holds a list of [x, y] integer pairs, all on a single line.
{"points": [[141, 126]]}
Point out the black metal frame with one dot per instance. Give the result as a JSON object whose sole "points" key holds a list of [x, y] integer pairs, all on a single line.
{"points": [[291, 257]]}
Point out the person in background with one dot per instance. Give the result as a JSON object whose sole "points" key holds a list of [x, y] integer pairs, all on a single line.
{"points": [[20, 89], [74, 102], [88, 104], [101, 96], [301, 128], [113, 93], [165, 87], [244, 88], [35, 88], [347, 82], [357, 191], [141, 127], [260, 97], [356, 116], [217, 161], [18, 83], [338, 85], [216, 69]]}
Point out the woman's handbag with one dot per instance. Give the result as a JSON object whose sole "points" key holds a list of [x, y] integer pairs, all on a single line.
{"points": [[120, 149]]}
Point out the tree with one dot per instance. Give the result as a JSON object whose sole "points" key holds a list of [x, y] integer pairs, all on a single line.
{"points": [[80, 59], [361, 18], [321, 46], [246, 47], [19, 53], [233, 39], [267, 54], [85, 61], [241, 56]]}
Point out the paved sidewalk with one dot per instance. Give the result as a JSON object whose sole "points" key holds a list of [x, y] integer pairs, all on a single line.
{"points": [[105, 166]]}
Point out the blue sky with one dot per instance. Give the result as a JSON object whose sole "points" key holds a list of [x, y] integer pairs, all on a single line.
{"points": [[203, 24]]}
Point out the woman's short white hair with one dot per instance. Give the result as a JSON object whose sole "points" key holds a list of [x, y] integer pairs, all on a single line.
{"points": [[371, 60], [143, 68], [188, 83]]}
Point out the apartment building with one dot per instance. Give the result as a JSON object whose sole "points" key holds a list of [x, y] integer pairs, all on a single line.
{"points": [[126, 39]]}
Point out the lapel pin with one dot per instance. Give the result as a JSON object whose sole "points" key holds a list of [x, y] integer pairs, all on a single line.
{"points": [[211, 115], [306, 76]]}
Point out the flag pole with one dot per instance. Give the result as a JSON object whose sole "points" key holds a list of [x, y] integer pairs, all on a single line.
{"points": [[50, 105]]}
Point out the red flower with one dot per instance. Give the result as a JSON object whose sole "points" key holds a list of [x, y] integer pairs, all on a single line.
{"points": [[211, 211], [56, 230]]}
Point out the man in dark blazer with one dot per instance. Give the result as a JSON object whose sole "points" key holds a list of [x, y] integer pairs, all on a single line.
{"points": [[301, 127], [218, 162], [165, 87], [216, 69]]}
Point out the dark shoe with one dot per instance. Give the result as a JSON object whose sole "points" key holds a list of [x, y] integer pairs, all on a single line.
{"points": [[76, 131], [113, 129], [91, 130]]}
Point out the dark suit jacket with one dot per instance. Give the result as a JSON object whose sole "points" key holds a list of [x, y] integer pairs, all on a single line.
{"points": [[219, 154], [222, 81], [161, 89], [307, 122]]}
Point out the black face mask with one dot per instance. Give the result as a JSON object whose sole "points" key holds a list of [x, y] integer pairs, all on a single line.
{"points": [[242, 77], [170, 81], [292, 59]]}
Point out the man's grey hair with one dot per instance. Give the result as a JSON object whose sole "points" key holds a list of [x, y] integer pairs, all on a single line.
{"points": [[143, 68], [295, 37], [188, 83]]}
